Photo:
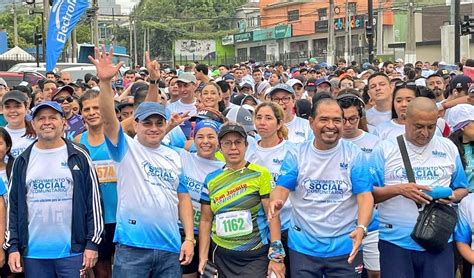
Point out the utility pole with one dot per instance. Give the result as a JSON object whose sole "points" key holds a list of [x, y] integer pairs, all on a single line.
{"points": [[330, 47], [380, 28], [144, 43], [74, 45], [349, 22], [45, 17], [410, 45], [370, 24], [130, 41], [95, 23], [346, 36], [457, 31], [135, 43], [15, 25]]}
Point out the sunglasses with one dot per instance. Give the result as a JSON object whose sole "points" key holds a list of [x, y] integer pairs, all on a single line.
{"points": [[409, 85], [69, 99]]}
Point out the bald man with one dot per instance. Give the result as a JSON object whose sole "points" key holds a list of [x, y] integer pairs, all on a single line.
{"points": [[435, 162]]}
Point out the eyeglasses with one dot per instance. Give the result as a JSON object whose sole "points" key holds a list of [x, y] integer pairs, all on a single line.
{"points": [[409, 85], [150, 124], [352, 120], [69, 99], [285, 100], [227, 144]]}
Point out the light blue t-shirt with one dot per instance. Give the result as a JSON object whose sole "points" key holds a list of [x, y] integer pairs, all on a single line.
{"points": [[323, 186], [147, 190], [436, 164], [49, 187], [465, 225], [195, 171], [106, 173]]}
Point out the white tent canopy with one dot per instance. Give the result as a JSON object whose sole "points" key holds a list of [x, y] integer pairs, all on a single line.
{"points": [[16, 53]]}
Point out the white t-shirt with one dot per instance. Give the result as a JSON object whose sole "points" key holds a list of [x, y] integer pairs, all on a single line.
{"points": [[365, 141], [375, 117], [19, 142], [49, 187], [195, 171], [299, 130], [389, 129], [147, 190], [436, 164], [180, 107], [272, 159], [323, 185]]}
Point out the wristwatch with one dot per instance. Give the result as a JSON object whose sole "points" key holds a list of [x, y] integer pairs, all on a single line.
{"points": [[154, 82], [192, 239], [364, 228]]}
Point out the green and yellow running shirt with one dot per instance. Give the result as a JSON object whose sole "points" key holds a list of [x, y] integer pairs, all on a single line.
{"points": [[239, 223]]}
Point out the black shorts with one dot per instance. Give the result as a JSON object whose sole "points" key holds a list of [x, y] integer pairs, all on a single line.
{"points": [[192, 267], [107, 246], [249, 264]]}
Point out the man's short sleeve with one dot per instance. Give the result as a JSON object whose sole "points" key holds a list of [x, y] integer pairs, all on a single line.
{"points": [[359, 179], [289, 172], [117, 152], [376, 166], [458, 178], [182, 188]]}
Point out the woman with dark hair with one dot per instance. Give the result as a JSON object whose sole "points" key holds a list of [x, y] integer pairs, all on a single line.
{"points": [[5, 148], [402, 95], [15, 107]]}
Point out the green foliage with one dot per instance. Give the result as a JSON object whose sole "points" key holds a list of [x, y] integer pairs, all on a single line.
{"points": [[186, 19], [26, 26]]}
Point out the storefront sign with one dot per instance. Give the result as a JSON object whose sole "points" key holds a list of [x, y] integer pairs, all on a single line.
{"points": [[243, 37], [356, 22], [228, 40], [283, 31]]}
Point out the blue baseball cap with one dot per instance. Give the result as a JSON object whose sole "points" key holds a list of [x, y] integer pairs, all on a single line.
{"points": [[47, 104], [149, 108]]}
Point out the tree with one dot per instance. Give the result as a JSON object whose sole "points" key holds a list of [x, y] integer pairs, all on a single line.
{"points": [[187, 19]]}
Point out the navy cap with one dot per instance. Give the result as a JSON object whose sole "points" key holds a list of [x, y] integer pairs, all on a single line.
{"points": [[322, 80], [282, 87], [47, 104], [228, 77], [149, 108], [460, 82]]}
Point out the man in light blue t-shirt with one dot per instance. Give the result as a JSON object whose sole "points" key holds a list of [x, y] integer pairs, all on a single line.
{"points": [[436, 164], [332, 201], [149, 194]]}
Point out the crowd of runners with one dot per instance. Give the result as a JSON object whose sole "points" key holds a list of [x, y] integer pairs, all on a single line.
{"points": [[245, 170]]}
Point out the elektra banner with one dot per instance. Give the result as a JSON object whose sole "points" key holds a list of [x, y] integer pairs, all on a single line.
{"points": [[64, 16]]}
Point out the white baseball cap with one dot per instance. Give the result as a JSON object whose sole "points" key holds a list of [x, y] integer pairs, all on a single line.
{"points": [[460, 115]]}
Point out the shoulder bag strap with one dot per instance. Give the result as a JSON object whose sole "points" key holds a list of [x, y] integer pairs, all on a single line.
{"points": [[406, 161]]}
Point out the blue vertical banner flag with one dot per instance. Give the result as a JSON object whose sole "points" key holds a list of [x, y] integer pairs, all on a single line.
{"points": [[64, 16]]}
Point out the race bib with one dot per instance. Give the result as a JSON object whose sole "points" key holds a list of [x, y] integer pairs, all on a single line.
{"points": [[105, 170], [234, 223], [197, 216]]}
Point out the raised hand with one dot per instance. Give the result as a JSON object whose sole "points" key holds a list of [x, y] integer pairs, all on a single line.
{"points": [[153, 67], [103, 63]]}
